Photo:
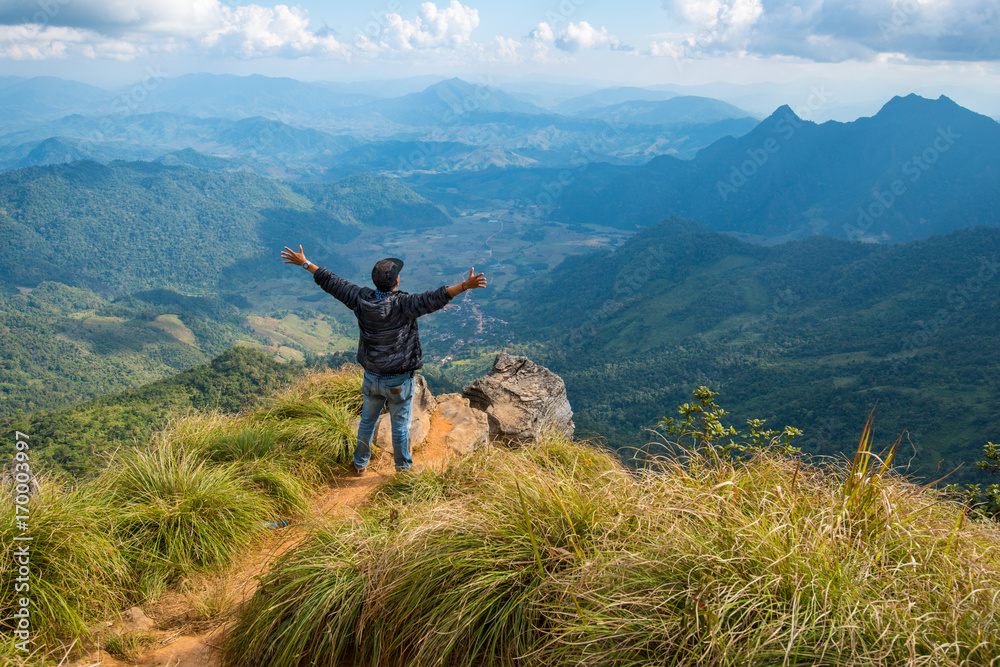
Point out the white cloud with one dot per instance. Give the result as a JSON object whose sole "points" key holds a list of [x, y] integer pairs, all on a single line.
{"points": [[574, 37], [543, 33], [251, 30], [37, 42], [128, 28], [505, 49], [582, 35], [432, 28], [838, 30]]}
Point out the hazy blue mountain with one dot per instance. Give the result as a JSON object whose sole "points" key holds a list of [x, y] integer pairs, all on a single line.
{"points": [[233, 97], [384, 87], [446, 103], [546, 92], [435, 156], [47, 97], [59, 150], [188, 157], [918, 167], [810, 333], [261, 144], [686, 109], [610, 96], [264, 136]]}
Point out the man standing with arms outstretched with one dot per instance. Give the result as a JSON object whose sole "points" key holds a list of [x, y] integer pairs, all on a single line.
{"points": [[389, 344]]}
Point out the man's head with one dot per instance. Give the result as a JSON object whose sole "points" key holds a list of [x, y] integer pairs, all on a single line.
{"points": [[385, 272]]}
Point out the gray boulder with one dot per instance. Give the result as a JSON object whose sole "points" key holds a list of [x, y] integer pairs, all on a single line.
{"points": [[522, 400]]}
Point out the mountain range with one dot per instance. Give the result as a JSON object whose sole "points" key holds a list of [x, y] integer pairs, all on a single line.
{"points": [[812, 333], [918, 167]]}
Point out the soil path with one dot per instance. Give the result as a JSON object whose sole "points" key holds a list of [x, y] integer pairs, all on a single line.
{"points": [[187, 634]]}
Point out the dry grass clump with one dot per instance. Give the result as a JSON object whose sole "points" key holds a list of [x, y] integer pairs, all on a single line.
{"points": [[557, 555]]}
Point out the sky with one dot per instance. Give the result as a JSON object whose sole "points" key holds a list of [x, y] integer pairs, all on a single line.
{"points": [[863, 44]]}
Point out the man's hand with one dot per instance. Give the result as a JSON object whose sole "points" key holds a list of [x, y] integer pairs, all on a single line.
{"points": [[474, 281], [296, 258]]}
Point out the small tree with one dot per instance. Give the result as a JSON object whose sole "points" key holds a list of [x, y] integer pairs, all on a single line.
{"points": [[702, 430], [983, 503]]}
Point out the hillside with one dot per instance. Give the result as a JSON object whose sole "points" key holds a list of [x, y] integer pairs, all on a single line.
{"points": [[813, 332], [682, 109], [139, 225], [247, 543], [918, 167], [75, 440]]}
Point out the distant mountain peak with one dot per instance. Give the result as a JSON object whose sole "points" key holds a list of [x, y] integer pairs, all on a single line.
{"points": [[915, 103]]}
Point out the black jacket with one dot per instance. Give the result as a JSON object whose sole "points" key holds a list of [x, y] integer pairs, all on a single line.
{"points": [[389, 341]]}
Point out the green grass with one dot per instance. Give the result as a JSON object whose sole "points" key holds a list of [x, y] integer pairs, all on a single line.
{"points": [[198, 492], [77, 575], [128, 646], [557, 555], [178, 513]]}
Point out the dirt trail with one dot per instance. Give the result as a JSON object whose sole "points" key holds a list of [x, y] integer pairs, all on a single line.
{"points": [[188, 637]]}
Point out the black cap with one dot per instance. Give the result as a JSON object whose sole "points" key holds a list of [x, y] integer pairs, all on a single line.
{"points": [[385, 271]]}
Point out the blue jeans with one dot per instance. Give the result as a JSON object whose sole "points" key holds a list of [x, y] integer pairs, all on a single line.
{"points": [[397, 391]]}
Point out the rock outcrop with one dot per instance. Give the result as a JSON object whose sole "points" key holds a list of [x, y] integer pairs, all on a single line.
{"points": [[522, 400], [469, 427]]}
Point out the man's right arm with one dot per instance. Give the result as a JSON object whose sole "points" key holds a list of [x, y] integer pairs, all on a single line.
{"points": [[343, 290]]}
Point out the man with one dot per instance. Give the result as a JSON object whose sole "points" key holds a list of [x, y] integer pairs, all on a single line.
{"points": [[388, 346]]}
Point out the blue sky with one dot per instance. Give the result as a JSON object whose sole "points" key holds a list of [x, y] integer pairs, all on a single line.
{"points": [[891, 43]]}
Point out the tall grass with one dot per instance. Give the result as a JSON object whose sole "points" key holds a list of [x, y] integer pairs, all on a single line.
{"points": [[556, 555], [176, 513], [189, 500], [77, 574]]}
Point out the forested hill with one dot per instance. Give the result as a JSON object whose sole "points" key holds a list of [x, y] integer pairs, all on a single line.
{"points": [[918, 167], [811, 334], [128, 226], [74, 439]]}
